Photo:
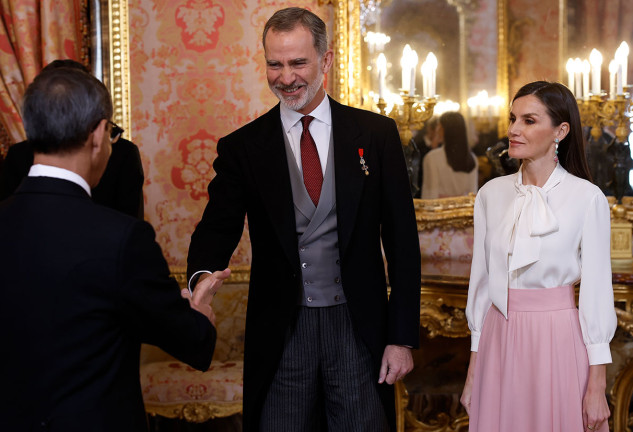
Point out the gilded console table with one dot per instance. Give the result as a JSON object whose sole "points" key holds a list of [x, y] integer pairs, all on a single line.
{"points": [[443, 302]]}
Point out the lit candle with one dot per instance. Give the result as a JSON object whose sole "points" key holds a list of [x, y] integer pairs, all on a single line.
{"points": [[613, 69], [622, 57], [424, 70], [585, 79], [432, 69], [624, 60], [485, 104], [596, 64], [577, 81], [413, 63], [472, 104], [381, 64], [570, 74], [618, 80], [404, 62], [496, 103]]}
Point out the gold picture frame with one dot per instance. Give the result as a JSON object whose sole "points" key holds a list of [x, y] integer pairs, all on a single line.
{"points": [[117, 69]]}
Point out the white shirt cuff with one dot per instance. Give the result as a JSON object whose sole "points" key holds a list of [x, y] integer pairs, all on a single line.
{"points": [[194, 279], [599, 354], [474, 340]]}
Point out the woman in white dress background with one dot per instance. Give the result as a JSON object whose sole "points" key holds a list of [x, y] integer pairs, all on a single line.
{"points": [[538, 364], [449, 170]]}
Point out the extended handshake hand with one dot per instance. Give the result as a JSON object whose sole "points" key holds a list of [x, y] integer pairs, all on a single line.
{"points": [[203, 293]]}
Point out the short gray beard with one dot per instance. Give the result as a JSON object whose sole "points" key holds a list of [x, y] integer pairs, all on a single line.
{"points": [[298, 103]]}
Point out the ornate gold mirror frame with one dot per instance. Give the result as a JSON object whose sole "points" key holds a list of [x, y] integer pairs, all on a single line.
{"points": [[116, 64], [455, 212]]}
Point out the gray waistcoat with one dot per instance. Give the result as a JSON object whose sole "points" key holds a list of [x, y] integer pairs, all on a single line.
{"points": [[318, 237]]}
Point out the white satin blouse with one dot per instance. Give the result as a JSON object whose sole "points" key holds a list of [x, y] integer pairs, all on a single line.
{"points": [[528, 237]]}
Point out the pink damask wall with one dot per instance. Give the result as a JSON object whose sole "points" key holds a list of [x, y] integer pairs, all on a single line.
{"points": [[197, 74]]}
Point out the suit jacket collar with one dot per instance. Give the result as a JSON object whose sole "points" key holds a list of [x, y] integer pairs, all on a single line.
{"points": [[50, 185]]}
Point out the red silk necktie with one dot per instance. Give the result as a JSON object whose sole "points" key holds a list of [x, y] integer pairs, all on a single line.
{"points": [[312, 173]]}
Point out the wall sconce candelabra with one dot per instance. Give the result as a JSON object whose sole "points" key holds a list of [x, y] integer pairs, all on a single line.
{"points": [[597, 112], [484, 111], [410, 115], [599, 109], [407, 110]]}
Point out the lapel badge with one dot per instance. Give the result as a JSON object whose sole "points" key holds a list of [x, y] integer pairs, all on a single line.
{"points": [[364, 167]]}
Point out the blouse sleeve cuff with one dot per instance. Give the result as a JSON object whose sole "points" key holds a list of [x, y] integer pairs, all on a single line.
{"points": [[474, 340], [599, 354]]}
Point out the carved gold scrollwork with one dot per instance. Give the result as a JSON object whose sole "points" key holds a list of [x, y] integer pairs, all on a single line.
{"points": [[195, 412], [407, 420], [455, 212], [625, 320], [620, 398], [442, 320]]}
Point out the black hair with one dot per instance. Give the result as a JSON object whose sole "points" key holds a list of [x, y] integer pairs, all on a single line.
{"points": [[61, 107]]}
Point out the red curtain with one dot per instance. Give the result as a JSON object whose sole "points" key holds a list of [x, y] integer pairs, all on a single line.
{"points": [[32, 34]]}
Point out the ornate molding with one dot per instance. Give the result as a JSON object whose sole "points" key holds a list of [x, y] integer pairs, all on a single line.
{"points": [[406, 419], [441, 320], [625, 320], [119, 37], [195, 412], [455, 212], [620, 398]]}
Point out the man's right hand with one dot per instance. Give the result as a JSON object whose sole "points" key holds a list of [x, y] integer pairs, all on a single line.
{"points": [[208, 284]]}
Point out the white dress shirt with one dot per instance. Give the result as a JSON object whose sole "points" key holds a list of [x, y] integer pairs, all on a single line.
{"points": [[320, 129], [39, 170], [527, 237]]}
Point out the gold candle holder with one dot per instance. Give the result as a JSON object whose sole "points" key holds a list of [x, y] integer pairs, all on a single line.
{"points": [[412, 114], [597, 112]]}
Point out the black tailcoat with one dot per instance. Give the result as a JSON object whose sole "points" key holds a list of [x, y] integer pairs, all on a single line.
{"points": [[252, 179]]}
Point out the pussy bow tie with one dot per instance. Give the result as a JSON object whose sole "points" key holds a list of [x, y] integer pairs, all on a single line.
{"points": [[530, 217]]}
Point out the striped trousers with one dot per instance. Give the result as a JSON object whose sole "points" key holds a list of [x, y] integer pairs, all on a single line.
{"points": [[325, 380]]}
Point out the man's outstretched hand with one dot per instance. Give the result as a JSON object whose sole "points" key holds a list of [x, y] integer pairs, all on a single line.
{"points": [[203, 293]]}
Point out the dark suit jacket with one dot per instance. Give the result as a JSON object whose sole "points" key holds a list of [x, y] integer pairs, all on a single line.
{"points": [[120, 188], [252, 178], [82, 287]]}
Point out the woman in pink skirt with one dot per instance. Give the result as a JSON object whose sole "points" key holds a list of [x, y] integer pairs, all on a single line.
{"points": [[538, 364]]}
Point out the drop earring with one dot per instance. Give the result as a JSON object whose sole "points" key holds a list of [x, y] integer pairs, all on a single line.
{"points": [[556, 150]]}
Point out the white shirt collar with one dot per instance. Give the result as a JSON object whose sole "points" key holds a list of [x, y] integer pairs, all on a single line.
{"points": [[322, 112], [40, 170]]}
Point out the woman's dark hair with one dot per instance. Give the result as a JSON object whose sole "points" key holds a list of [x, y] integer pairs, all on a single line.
{"points": [[456, 147], [562, 107]]}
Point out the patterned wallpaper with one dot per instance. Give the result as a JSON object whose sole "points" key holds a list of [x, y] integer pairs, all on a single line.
{"points": [[197, 74]]}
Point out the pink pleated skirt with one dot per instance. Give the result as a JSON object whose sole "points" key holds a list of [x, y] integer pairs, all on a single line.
{"points": [[532, 369]]}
